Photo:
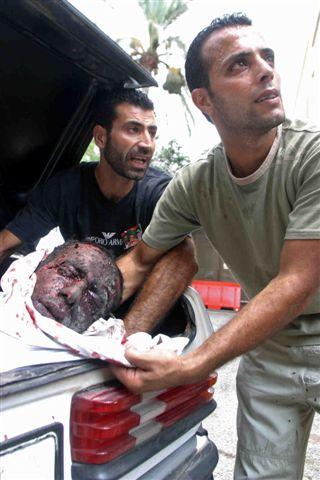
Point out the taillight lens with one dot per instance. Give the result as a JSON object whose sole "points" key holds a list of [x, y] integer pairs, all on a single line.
{"points": [[108, 421]]}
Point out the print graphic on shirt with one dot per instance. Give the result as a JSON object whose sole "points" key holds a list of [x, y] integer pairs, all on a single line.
{"points": [[127, 239], [108, 235], [132, 236]]}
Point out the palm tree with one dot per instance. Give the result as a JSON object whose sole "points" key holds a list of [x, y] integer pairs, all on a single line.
{"points": [[160, 14]]}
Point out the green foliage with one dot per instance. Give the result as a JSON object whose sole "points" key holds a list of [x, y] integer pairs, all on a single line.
{"points": [[170, 158], [91, 155], [174, 81], [163, 12], [171, 40], [160, 14]]}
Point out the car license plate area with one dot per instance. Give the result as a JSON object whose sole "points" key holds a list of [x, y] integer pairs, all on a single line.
{"points": [[37, 454]]}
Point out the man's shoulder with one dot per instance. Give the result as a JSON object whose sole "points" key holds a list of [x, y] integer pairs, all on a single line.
{"points": [[74, 174], [204, 165], [301, 138], [298, 126], [154, 177], [83, 167], [155, 174]]}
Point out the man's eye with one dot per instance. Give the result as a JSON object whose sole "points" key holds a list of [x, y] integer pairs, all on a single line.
{"points": [[133, 129], [64, 271], [240, 63], [270, 59], [93, 296], [238, 66], [153, 133], [68, 271]]}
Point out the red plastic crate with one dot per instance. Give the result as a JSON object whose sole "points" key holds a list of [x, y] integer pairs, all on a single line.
{"points": [[217, 295]]}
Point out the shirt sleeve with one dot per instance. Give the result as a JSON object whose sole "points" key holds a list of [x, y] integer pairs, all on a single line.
{"points": [[148, 194], [304, 219], [175, 216], [39, 216], [157, 189]]}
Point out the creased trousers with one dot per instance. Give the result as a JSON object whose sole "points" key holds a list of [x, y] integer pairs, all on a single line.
{"points": [[278, 390]]}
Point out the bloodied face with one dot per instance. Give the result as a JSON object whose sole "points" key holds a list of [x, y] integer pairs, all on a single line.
{"points": [[77, 284]]}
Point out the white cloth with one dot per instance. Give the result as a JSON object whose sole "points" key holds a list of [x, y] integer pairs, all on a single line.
{"points": [[29, 338]]}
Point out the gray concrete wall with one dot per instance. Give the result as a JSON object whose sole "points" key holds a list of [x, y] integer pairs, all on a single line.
{"points": [[211, 266]]}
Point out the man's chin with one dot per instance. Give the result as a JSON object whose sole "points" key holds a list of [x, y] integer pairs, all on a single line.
{"points": [[264, 125], [78, 321], [136, 173], [137, 170]]}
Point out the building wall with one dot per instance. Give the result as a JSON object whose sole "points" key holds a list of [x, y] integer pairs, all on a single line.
{"points": [[210, 264]]}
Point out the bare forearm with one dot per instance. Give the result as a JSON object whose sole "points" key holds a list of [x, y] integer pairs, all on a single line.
{"points": [[166, 282], [255, 323], [135, 267], [278, 304], [8, 244], [283, 299]]}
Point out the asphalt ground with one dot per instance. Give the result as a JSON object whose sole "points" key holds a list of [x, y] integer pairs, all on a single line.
{"points": [[221, 424]]}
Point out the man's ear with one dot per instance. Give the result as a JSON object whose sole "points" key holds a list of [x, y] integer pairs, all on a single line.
{"points": [[100, 136], [202, 100]]}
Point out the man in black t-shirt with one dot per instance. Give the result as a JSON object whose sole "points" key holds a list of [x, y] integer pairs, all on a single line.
{"points": [[110, 202], [101, 201]]}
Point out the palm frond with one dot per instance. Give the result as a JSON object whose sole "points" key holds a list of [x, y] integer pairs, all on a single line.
{"points": [[174, 10], [163, 12], [153, 37], [170, 40]]}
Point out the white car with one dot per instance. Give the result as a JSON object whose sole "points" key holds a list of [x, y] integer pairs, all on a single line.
{"points": [[72, 420]]}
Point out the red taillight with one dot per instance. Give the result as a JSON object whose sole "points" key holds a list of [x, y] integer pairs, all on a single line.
{"points": [[102, 426], [112, 399], [90, 451], [108, 421], [173, 415], [177, 395]]}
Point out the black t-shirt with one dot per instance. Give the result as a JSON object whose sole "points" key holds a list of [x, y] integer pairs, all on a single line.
{"points": [[73, 201]]}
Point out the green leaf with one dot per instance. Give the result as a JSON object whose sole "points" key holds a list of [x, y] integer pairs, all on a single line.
{"points": [[170, 158]]}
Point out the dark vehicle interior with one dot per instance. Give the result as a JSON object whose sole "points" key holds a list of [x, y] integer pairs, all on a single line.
{"points": [[54, 65], [54, 62]]}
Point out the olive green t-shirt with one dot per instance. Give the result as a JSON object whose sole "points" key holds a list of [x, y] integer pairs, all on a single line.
{"points": [[247, 219]]}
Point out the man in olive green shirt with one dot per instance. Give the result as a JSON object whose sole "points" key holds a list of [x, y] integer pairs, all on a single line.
{"points": [[257, 196]]}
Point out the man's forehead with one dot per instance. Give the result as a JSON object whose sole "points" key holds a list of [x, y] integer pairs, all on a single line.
{"points": [[127, 112], [230, 40], [78, 250]]}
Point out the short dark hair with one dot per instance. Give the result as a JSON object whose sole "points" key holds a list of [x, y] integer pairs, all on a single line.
{"points": [[106, 103], [196, 69]]}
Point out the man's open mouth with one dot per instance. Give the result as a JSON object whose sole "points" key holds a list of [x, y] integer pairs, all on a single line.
{"points": [[267, 95], [139, 162], [50, 310], [139, 158]]}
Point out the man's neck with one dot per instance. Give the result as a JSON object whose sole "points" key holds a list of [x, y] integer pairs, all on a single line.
{"points": [[112, 185], [246, 154]]}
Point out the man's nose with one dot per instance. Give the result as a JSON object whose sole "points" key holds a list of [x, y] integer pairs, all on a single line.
{"points": [[146, 141], [265, 70], [73, 293]]}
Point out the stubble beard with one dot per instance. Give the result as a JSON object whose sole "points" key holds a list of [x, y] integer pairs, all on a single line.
{"points": [[119, 163], [246, 122]]}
